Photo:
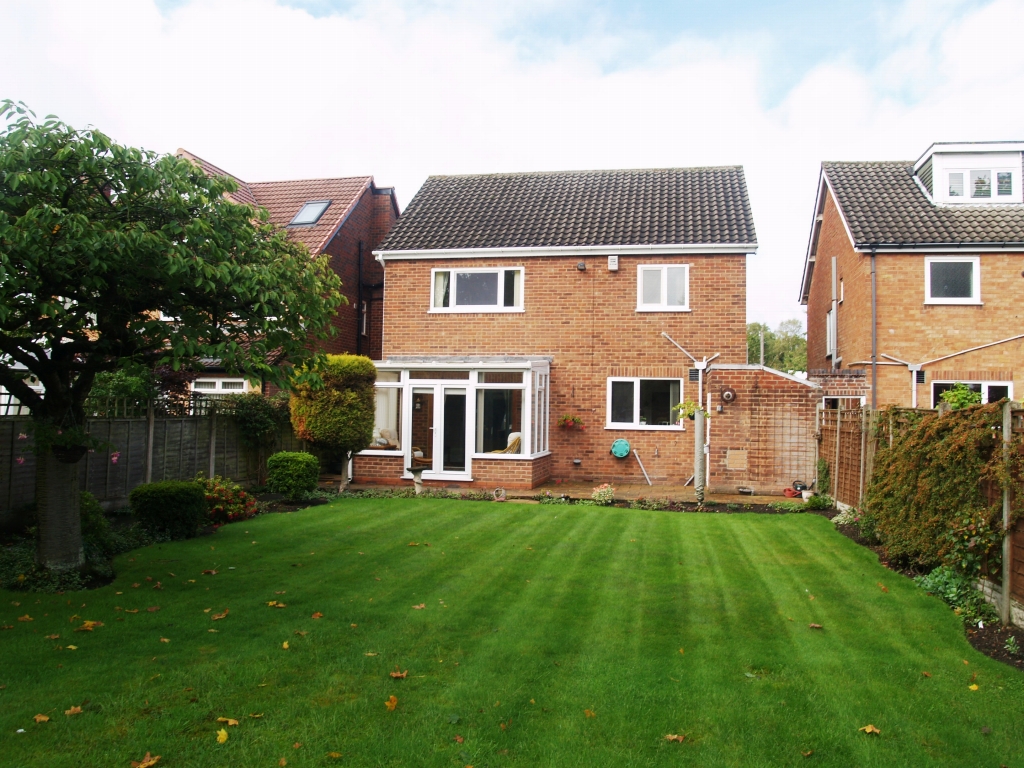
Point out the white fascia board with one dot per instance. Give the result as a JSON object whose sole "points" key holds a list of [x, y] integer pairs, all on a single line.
{"points": [[571, 250], [890, 249], [804, 287], [973, 147]]}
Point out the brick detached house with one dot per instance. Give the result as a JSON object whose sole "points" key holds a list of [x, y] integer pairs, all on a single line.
{"points": [[534, 319], [346, 218], [914, 274]]}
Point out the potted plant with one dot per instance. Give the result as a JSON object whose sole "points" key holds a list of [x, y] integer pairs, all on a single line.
{"points": [[571, 422]]}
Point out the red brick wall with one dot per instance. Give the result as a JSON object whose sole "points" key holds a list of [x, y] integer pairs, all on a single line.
{"points": [[909, 329], [772, 419], [368, 223], [587, 322], [487, 473]]}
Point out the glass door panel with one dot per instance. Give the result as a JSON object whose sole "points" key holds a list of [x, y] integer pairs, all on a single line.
{"points": [[453, 441], [422, 447]]}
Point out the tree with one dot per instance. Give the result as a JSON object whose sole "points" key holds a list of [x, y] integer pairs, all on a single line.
{"points": [[111, 255], [337, 416], [785, 349]]}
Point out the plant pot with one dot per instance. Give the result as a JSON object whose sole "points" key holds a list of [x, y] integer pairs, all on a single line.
{"points": [[68, 454]]}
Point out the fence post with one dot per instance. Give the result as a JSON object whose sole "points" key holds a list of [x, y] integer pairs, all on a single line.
{"points": [[213, 440], [150, 421], [863, 452], [839, 432], [1004, 608]]}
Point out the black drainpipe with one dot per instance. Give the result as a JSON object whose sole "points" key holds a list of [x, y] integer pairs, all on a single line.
{"points": [[359, 301]]}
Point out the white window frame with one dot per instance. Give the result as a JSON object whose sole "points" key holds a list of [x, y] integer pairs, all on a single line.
{"points": [[479, 308], [379, 451], [985, 384], [662, 306], [995, 198], [218, 388], [975, 279], [636, 425]]}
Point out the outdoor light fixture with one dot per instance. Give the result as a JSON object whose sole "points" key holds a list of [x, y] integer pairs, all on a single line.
{"points": [[582, 266]]}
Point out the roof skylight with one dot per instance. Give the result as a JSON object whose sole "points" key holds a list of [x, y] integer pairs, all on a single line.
{"points": [[310, 212]]}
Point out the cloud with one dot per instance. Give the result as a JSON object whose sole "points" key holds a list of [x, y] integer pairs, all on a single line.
{"points": [[402, 90]]}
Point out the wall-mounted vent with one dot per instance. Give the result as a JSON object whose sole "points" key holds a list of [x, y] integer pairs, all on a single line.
{"points": [[919, 377], [694, 374]]}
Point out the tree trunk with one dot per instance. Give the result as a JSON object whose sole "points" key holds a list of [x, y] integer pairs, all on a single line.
{"points": [[58, 504]]}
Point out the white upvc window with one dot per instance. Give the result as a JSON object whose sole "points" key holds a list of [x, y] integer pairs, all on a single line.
{"points": [[477, 289], [952, 280], [637, 403], [663, 288], [990, 391], [980, 185], [220, 386]]}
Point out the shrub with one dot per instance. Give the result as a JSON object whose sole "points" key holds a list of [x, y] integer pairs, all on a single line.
{"points": [[292, 474], [960, 396], [604, 494], [338, 417], [259, 420], [651, 504], [819, 501], [226, 501], [958, 591], [824, 477], [172, 507], [788, 506]]}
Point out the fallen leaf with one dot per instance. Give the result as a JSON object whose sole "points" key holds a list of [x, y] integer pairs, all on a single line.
{"points": [[219, 616], [354, 626], [369, 653], [391, 703], [413, 544], [282, 762], [297, 744], [869, 729], [675, 737], [158, 585], [815, 626], [966, 661], [284, 645], [131, 610], [147, 762], [53, 637], [209, 572], [419, 607], [41, 719], [26, 617], [153, 609], [681, 651], [808, 753], [810, 597], [72, 647], [334, 755], [317, 615], [213, 630], [149, 578], [883, 587], [973, 686], [589, 713], [229, 720], [986, 730], [272, 603], [88, 626], [458, 739], [396, 675], [222, 736], [281, 592], [256, 715], [926, 674], [73, 711]]}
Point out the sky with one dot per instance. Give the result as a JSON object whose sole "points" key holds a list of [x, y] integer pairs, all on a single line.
{"points": [[282, 89]]}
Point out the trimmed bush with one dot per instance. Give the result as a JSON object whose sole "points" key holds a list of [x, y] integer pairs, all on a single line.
{"points": [[172, 507], [292, 474], [337, 418], [226, 501]]}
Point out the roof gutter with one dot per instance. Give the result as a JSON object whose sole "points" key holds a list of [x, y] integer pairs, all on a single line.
{"points": [[570, 250], [925, 247]]}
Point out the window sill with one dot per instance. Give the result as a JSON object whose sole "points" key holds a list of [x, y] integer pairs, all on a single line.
{"points": [[646, 427], [476, 311], [663, 309], [952, 303], [502, 456], [381, 452]]}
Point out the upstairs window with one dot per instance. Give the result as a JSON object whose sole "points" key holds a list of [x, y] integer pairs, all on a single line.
{"points": [[981, 183], [477, 290], [952, 280], [663, 288], [310, 213], [1004, 183], [956, 185]]}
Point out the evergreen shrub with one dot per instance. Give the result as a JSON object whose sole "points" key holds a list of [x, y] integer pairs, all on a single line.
{"points": [[292, 474], [173, 508]]}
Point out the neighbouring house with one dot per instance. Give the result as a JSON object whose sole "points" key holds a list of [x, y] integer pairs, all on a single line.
{"points": [[346, 218], [534, 320], [914, 276]]}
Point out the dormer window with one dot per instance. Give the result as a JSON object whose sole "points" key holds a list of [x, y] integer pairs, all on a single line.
{"points": [[310, 213], [975, 185], [956, 185], [981, 184], [1004, 184]]}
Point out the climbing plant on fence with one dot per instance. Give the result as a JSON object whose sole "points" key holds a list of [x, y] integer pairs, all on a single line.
{"points": [[927, 496]]}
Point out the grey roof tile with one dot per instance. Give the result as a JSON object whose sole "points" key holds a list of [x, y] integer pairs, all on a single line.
{"points": [[661, 206], [884, 205]]}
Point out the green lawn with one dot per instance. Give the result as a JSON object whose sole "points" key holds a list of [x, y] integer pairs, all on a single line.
{"points": [[533, 615]]}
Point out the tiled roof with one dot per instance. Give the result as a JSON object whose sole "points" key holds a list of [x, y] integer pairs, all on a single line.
{"points": [[666, 206], [883, 204], [284, 199]]}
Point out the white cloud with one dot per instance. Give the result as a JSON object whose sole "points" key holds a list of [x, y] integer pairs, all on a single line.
{"points": [[268, 91]]}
